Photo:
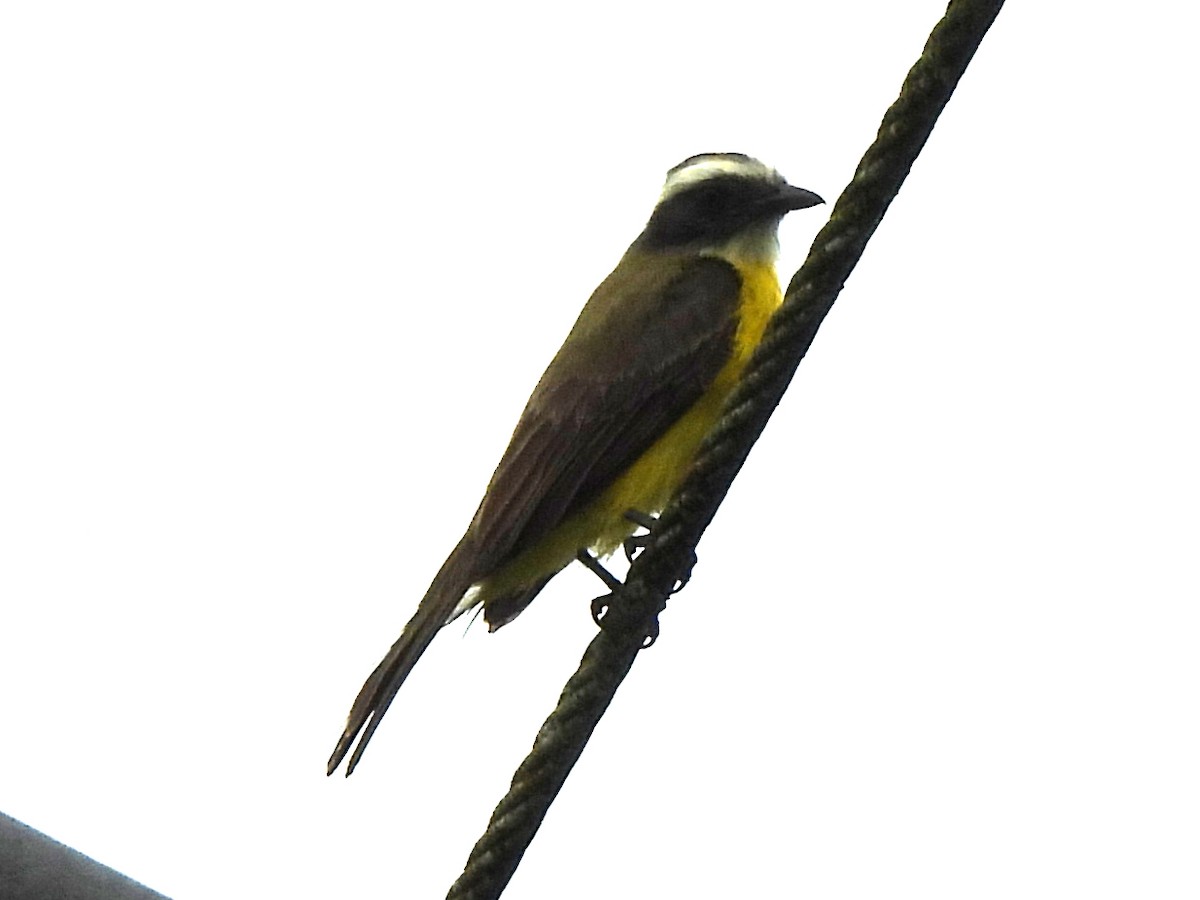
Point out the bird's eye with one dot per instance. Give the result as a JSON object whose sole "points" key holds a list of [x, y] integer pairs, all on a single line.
{"points": [[712, 200]]}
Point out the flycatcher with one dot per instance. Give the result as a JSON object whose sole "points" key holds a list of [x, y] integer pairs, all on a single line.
{"points": [[613, 425]]}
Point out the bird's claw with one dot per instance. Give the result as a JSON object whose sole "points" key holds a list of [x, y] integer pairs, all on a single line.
{"points": [[636, 543], [683, 579], [651, 635], [601, 608]]}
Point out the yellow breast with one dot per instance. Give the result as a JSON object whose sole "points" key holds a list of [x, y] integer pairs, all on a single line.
{"points": [[649, 482]]}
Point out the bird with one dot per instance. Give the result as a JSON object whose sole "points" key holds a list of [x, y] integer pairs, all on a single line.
{"points": [[619, 414]]}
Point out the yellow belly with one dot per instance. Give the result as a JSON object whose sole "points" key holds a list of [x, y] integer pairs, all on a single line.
{"points": [[649, 482]]}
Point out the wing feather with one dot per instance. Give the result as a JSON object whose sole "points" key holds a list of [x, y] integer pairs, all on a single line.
{"points": [[644, 349]]}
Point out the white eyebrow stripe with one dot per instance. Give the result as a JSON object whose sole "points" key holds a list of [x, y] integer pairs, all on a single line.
{"points": [[711, 167]]}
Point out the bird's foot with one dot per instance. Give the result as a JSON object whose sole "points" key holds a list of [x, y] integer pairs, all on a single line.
{"points": [[601, 608], [636, 543], [600, 605]]}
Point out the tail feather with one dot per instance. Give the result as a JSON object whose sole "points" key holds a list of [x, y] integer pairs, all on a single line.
{"points": [[376, 695]]}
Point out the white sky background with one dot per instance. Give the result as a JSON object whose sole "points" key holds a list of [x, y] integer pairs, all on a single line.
{"points": [[278, 278]]}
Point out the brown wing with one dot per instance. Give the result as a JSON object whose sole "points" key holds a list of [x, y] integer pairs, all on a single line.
{"points": [[646, 346], [643, 350]]}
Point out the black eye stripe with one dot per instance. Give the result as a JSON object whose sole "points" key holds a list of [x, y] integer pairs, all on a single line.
{"points": [[709, 210]]}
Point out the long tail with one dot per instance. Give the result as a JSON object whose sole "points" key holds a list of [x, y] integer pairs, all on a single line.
{"points": [[376, 695]]}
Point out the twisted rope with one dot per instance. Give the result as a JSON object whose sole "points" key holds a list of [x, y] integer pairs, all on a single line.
{"points": [[634, 607]]}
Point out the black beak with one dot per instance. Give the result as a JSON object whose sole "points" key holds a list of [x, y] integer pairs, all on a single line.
{"points": [[791, 198]]}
